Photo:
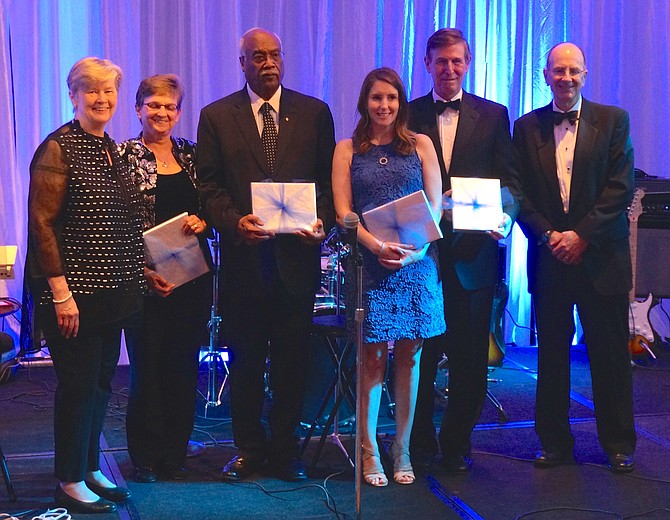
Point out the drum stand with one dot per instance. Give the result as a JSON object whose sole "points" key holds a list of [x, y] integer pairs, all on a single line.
{"points": [[333, 329], [215, 356], [335, 436], [342, 385], [443, 394], [7, 477]]}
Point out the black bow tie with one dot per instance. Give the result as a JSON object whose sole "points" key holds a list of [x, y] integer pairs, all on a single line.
{"points": [[441, 106], [570, 116]]}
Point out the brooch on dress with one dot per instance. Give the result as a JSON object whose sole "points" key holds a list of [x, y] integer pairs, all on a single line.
{"points": [[383, 161]]}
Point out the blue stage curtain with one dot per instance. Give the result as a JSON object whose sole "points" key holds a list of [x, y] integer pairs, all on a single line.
{"points": [[330, 46]]}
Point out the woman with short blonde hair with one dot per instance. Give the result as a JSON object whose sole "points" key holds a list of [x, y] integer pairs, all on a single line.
{"points": [[85, 261]]}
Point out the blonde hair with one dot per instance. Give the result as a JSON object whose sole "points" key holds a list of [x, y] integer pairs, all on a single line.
{"points": [[91, 70]]}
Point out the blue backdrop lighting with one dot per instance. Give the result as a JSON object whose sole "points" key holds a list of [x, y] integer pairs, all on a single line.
{"points": [[330, 46]]}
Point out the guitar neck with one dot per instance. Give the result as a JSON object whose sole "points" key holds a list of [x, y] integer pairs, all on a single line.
{"points": [[633, 255]]}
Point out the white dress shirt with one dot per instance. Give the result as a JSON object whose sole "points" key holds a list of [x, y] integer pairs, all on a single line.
{"points": [[256, 104], [565, 136], [447, 123]]}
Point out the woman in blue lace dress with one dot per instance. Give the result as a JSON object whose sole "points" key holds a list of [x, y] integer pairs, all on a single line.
{"points": [[382, 162]]}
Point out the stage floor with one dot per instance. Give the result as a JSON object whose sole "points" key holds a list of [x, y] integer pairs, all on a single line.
{"points": [[503, 483]]}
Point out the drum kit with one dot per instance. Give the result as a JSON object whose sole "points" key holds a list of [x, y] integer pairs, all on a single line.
{"points": [[328, 301], [330, 298]]}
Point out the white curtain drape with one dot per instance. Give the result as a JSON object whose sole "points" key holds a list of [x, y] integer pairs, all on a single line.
{"points": [[330, 45]]}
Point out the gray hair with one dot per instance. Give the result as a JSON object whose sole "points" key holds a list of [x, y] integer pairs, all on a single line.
{"points": [[253, 30]]}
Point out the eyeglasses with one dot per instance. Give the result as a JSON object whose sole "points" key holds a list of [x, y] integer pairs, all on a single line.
{"points": [[261, 57], [155, 107], [560, 72]]}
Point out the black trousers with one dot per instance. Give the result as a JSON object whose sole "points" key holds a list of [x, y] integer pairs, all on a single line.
{"points": [[84, 366], [163, 355], [275, 324], [466, 343], [604, 319]]}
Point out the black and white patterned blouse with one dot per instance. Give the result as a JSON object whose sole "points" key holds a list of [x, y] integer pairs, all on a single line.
{"points": [[142, 162], [84, 217]]}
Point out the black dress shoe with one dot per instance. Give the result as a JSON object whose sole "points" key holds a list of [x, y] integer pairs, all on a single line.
{"points": [[167, 472], [549, 459], [621, 462], [145, 474], [114, 494], [290, 470], [421, 458], [240, 467], [457, 463], [77, 506]]}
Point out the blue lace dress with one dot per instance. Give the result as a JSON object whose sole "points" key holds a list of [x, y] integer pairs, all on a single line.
{"points": [[406, 303]]}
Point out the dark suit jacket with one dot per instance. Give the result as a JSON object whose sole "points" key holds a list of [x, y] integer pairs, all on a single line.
{"points": [[601, 189], [230, 157], [482, 148]]}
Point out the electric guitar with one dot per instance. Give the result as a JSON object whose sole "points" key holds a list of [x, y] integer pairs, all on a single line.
{"points": [[496, 336], [500, 297], [639, 328]]}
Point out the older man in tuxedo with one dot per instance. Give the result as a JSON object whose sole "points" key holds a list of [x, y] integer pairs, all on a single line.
{"points": [[265, 132], [472, 139], [576, 161]]}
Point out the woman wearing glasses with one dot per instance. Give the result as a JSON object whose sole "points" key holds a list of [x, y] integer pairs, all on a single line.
{"points": [[164, 350]]}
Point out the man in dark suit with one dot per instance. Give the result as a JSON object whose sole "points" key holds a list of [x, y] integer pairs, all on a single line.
{"points": [[268, 281], [472, 139], [576, 161]]}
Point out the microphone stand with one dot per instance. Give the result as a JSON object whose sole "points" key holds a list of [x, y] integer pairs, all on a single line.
{"points": [[351, 222], [358, 318]]}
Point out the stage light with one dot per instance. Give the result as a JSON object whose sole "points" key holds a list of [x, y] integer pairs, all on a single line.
{"points": [[7, 259]]}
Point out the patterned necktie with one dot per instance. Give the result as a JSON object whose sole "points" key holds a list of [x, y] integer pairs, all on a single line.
{"points": [[561, 116], [269, 136], [441, 106]]}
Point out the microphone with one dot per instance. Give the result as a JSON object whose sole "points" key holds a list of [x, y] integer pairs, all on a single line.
{"points": [[351, 222]]}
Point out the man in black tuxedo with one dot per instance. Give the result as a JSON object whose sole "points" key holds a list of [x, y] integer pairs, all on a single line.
{"points": [[472, 139], [268, 281], [576, 161]]}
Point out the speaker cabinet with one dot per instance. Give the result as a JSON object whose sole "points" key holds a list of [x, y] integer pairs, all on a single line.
{"points": [[653, 262]]}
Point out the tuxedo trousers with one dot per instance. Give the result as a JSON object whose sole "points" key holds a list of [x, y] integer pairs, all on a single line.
{"points": [[466, 344], [604, 319]]}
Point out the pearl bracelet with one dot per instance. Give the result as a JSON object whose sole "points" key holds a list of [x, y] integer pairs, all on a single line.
{"points": [[63, 300]]}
